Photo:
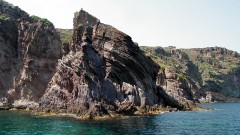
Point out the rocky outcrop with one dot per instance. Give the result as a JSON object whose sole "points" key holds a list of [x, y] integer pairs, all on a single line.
{"points": [[105, 73], [39, 51], [101, 72], [30, 49], [176, 87]]}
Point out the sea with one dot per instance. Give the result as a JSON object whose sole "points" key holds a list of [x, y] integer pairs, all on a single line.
{"points": [[223, 120]]}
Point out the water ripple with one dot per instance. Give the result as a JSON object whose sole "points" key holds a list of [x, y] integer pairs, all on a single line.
{"points": [[225, 119]]}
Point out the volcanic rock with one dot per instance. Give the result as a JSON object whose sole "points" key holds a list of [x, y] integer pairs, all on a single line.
{"points": [[105, 72]]}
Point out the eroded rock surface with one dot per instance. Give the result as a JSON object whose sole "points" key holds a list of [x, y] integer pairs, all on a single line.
{"points": [[29, 52], [101, 72], [200, 74], [104, 73]]}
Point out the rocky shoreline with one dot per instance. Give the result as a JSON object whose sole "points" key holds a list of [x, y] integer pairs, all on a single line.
{"points": [[98, 71], [159, 111], [141, 112]]}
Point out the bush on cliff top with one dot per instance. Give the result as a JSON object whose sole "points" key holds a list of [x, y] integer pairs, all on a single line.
{"points": [[42, 20]]}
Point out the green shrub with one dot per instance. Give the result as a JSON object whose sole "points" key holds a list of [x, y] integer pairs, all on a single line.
{"points": [[65, 35], [3, 16], [182, 76], [213, 59], [36, 18], [45, 21], [215, 80], [162, 68], [42, 20], [234, 69]]}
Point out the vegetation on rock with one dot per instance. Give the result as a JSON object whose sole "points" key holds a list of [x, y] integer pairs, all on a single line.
{"points": [[42, 20], [3, 16], [207, 68], [65, 34]]}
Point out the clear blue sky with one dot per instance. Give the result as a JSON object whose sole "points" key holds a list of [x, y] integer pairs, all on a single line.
{"points": [[180, 23]]}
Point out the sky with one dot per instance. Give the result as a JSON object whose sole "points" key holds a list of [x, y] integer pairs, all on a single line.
{"points": [[180, 23]]}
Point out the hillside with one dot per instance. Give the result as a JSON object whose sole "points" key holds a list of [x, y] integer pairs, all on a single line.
{"points": [[212, 72], [65, 34]]}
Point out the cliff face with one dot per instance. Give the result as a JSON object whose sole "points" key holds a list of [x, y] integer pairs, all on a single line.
{"points": [[104, 73], [30, 49], [202, 74], [98, 70]]}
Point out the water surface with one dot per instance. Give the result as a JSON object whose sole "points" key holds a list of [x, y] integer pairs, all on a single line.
{"points": [[225, 119]]}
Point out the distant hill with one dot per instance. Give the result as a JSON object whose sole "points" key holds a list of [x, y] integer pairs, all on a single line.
{"points": [[213, 72], [65, 34]]}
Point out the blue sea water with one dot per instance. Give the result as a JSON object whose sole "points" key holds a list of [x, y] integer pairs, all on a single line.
{"points": [[224, 120]]}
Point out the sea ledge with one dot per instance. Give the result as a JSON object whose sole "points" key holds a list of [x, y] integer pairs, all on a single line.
{"points": [[111, 115]]}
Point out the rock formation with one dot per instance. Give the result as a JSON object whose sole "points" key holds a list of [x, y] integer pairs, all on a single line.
{"points": [[104, 73], [30, 49], [100, 72]]}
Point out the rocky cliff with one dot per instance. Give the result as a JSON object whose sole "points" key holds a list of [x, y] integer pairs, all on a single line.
{"points": [[104, 73], [95, 70], [30, 49], [100, 72], [201, 74]]}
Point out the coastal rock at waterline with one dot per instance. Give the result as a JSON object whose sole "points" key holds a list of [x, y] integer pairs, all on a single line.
{"points": [[101, 72], [104, 73]]}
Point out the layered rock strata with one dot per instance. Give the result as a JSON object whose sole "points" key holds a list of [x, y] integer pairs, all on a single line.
{"points": [[101, 72], [104, 73]]}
